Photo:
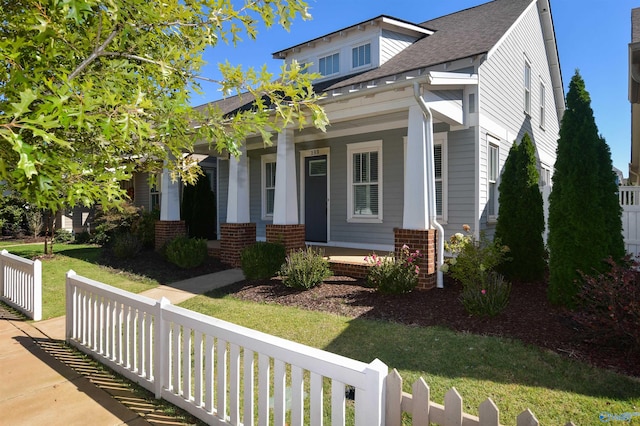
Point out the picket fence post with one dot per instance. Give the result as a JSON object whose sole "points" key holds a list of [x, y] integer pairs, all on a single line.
{"points": [[371, 406], [526, 418], [3, 253], [70, 306], [161, 349], [37, 290]]}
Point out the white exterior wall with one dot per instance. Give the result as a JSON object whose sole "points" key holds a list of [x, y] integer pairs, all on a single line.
{"points": [[393, 43], [501, 100]]}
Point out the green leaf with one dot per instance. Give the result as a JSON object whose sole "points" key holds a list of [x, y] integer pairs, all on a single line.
{"points": [[27, 97]]}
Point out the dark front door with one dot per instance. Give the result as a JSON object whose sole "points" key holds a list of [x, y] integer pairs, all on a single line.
{"points": [[315, 190]]}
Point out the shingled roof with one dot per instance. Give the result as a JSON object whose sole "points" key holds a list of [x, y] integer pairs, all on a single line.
{"points": [[459, 35]]}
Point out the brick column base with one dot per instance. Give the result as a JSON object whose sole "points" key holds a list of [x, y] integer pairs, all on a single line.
{"points": [[235, 237], [425, 241], [290, 236], [167, 230]]}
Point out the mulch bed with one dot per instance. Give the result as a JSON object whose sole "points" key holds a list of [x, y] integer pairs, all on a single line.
{"points": [[529, 317]]}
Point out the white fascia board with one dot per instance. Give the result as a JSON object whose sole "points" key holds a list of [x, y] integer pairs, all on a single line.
{"points": [[406, 25], [444, 78]]}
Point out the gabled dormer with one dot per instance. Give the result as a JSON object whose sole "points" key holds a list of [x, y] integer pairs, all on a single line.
{"points": [[355, 49]]}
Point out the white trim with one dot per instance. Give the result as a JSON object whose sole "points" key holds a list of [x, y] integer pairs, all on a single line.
{"points": [[542, 107], [264, 159], [526, 85], [356, 148], [357, 45], [312, 153], [492, 196], [325, 56]]}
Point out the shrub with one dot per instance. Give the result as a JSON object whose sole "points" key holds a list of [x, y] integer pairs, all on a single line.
{"points": [[62, 236], [125, 245], [113, 221], [262, 260], [304, 269], [608, 303], [394, 274], [473, 259], [144, 227], [83, 238], [186, 252], [484, 291], [489, 300]]}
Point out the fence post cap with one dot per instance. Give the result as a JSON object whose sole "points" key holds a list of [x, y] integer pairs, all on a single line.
{"points": [[71, 273]]}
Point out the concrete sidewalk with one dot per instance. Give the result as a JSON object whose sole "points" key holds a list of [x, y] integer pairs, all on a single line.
{"points": [[44, 382]]}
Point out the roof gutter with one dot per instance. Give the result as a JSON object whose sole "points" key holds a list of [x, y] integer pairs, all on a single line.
{"points": [[431, 184]]}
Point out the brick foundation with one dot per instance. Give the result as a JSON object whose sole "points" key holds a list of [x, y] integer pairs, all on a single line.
{"points": [[234, 237], [291, 236], [167, 230], [425, 241], [346, 269]]}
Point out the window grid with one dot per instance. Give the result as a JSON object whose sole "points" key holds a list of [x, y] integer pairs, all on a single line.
{"points": [[361, 55], [492, 204], [329, 64], [527, 87], [155, 193], [269, 187], [364, 184]]}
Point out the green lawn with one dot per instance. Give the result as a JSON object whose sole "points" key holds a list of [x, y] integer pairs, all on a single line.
{"points": [[83, 260], [515, 376]]}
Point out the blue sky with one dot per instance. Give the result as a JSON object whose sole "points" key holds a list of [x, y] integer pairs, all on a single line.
{"points": [[592, 36]]}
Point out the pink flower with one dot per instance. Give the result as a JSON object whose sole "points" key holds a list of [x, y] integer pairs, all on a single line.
{"points": [[405, 247], [483, 291]]}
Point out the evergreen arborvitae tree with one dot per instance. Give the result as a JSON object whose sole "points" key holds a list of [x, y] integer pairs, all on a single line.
{"points": [[584, 214], [199, 209], [521, 215]]}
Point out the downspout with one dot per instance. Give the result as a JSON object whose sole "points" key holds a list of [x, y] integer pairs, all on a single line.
{"points": [[431, 184]]}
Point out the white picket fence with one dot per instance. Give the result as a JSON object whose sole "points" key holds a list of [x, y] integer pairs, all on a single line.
{"points": [[21, 284], [208, 367], [425, 412], [630, 201]]}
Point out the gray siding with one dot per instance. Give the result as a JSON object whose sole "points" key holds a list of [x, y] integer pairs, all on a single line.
{"points": [[393, 190], [501, 98], [460, 178], [141, 196], [392, 43]]}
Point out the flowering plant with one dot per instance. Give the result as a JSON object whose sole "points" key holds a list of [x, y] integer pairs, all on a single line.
{"points": [[394, 273], [474, 263]]}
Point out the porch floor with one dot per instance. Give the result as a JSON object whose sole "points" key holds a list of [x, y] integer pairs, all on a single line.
{"points": [[345, 255]]}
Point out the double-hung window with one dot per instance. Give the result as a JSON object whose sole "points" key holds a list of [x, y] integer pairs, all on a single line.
{"points": [[493, 173], [329, 64], [154, 192], [361, 55], [268, 185], [364, 191], [542, 106], [527, 88]]}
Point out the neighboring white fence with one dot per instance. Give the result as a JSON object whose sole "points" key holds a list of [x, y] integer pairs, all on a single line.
{"points": [[21, 284], [222, 373], [630, 201]]}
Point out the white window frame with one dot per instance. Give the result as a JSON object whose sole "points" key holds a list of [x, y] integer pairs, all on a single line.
{"points": [[545, 175], [493, 178], [264, 185], [358, 148], [527, 87], [364, 64], [155, 191], [330, 55], [543, 100]]}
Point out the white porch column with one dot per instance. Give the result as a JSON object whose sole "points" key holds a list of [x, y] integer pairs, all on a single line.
{"points": [[285, 211], [169, 197], [416, 214], [238, 201]]}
